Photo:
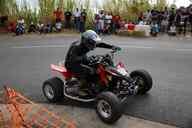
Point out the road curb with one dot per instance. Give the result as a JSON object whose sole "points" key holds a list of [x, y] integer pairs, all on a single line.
{"points": [[86, 118]]}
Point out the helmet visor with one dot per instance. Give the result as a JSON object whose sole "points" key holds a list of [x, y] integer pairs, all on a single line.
{"points": [[92, 44]]}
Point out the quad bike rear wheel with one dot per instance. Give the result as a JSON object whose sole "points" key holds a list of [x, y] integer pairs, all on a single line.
{"points": [[53, 89], [108, 107], [143, 80]]}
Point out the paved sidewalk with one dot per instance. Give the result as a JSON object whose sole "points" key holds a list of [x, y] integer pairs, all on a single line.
{"points": [[87, 118]]}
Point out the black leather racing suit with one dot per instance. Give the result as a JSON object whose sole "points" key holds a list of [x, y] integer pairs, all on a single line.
{"points": [[77, 57]]}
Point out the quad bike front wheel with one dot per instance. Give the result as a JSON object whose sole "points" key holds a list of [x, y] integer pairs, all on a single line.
{"points": [[143, 79], [108, 107], [53, 89]]}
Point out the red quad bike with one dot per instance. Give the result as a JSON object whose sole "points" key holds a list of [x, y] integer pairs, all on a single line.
{"points": [[108, 89]]}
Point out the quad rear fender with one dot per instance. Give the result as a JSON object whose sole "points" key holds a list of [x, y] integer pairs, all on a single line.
{"points": [[62, 70], [57, 68]]}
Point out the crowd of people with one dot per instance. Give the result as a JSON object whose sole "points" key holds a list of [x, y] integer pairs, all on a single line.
{"points": [[171, 21], [106, 22], [67, 19]]}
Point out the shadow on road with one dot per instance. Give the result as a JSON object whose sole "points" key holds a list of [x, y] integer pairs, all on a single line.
{"points": [[128, 104], [69, 102], [189, 125]]}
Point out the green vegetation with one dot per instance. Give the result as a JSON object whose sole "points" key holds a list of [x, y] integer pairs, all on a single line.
{"points": [[131, 9]]}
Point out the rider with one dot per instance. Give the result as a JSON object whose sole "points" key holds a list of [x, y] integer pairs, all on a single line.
{"points": [[77, 60]]}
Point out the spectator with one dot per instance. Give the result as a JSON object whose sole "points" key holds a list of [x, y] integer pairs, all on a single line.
{"points": [[171, 18], [32, 28], [58, 26], [122, 24], [101, 21], [181, 20], [20, 20], [140, 17], [147, 17], [165, 13], [68, 15], [141, 23], [111, 25], [108, 21], [20, 28], [77, 15], [190, 17], [154, 16], [164, 20], [48, 27], [116, 23], [82, 21], [159, 18], [96, 22], [178, 18], [40, 27], [58, 14], [164, 24], [172, 31]]}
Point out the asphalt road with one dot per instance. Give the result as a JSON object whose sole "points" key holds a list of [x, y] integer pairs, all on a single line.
{"points": [[25, 60]]}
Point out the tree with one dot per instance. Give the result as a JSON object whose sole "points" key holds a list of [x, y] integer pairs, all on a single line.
{"points": [[160, 4], [128, 9], [8, 7]]}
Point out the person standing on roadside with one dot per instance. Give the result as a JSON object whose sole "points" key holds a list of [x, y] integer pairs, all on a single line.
{"points": [[181, 20], [190, 17], [147, 17], [108, 20], [68, 16], [58, 25], [171, 18], [184, 20], [164, 22], [101, 21], [82, 21], [113, 24], [96, 22], [58, 15], [116, 19], [140, 17], [77, 15], [178, 20]]}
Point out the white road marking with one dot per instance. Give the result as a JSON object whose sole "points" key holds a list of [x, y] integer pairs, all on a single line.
{"points": [[160, 48], [40, 46], [137, 47], [123, 46], [184, 50]]}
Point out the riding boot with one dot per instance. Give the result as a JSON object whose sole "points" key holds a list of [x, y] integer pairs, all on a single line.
{"points": [[83, 87]]}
